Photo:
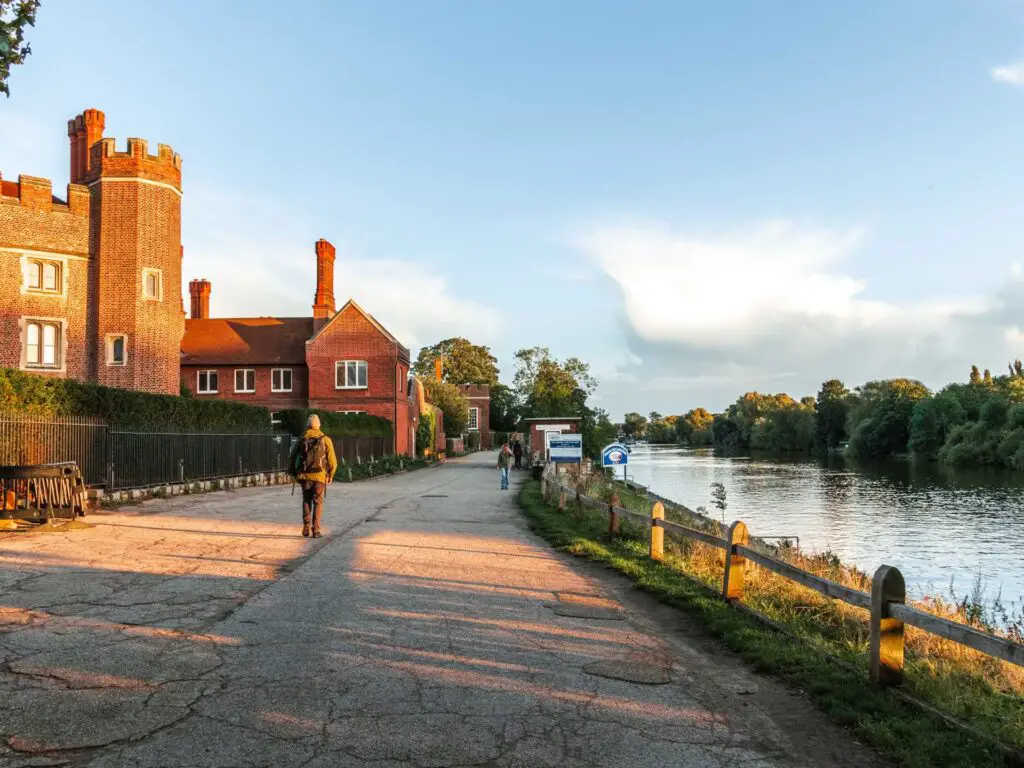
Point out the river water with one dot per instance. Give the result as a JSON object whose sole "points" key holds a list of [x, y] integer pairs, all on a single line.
{"points": [[937, 525]]}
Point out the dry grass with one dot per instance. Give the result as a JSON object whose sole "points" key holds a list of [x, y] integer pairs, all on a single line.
{"points": [[978, 689]]}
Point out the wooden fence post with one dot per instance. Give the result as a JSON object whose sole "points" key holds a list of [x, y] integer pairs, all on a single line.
{"points": [[735, 563], [544, 487], [561, 500], [657, 532], [613, 516], [886, 649]]}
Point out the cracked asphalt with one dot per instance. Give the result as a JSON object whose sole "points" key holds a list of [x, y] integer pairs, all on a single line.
{"points": [[427, 628]]}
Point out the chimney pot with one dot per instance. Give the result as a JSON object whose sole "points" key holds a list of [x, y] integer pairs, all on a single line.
{"points": [[199, 291]]}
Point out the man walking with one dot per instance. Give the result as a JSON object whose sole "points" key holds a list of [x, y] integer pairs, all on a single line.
{"points": [[517, 451], [504, 462], [313, 464]]}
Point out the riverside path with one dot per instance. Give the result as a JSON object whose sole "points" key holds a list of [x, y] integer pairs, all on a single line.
{"points": [[427, 628]]}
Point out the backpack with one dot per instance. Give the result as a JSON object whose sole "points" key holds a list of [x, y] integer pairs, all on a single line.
{"points": [[312, 456]]}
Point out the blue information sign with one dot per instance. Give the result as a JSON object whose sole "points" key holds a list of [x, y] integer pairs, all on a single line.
{"points": [[614, 455]]}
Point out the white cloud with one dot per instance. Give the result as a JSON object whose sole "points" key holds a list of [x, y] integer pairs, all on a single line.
{"points": [[775, 307], [259, 257], [1012, 74]]}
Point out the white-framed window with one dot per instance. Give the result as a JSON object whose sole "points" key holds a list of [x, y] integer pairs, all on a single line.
{"points": [[474, 419], [117, 349], [206, 382], [281, 380], [43, 343], [44, 276], [245, 380], [152, 285], [275, 418], [354, 413], [350, 374]]}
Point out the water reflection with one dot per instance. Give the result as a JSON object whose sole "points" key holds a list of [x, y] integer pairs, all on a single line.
{"points": [[939, 525]]}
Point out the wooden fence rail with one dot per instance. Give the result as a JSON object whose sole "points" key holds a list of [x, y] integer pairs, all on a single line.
{"points": [[886, 603]]}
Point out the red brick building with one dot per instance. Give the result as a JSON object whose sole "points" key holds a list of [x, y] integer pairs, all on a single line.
{"points": [[343, 361], [92, 280], [479, 396]]}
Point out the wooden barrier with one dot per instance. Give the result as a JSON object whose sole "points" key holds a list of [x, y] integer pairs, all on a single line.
{"points": [[886, 603]]}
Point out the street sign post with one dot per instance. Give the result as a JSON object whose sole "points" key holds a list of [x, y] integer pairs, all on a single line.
{"points": [[614, 455]]}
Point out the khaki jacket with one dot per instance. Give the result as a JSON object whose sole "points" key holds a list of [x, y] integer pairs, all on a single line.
{"points": [[332, 459]]}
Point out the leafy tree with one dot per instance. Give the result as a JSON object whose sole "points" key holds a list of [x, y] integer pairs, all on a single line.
{"points": [[975, 375], [694, 428], [879, 419], [635, 425], [453, 405], [655, 416], [1016, 369], [15, 16], [504, 409], [545, 386], [787, 429], [597, 429], [462, 362], [832, 408], [986, 377], [932, 421], [663, 430]]}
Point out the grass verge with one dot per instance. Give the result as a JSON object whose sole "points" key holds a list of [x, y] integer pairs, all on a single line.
{"points": [[897, 730]]}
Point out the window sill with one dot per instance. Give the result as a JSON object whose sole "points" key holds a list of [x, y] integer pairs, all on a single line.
{"points": [[245, 391], [206, 391], [42, 292], [350, 388], [116, 365], [281, 391]]}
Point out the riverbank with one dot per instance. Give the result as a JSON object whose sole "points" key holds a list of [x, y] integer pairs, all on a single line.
{"points": [[983, 692]]}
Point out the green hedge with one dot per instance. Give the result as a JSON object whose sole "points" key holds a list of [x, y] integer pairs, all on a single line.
{"points": [[294, 421], [49, 396]]}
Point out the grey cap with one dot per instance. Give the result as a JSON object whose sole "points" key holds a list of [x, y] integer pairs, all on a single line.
{"points": [[314, 421]]}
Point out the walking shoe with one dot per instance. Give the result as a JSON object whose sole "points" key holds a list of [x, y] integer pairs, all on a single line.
{"points": [[317, 534], [305, 530]]}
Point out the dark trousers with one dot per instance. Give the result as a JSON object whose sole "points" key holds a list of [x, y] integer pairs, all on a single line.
{"points": [[519, 461], [312, 503]]}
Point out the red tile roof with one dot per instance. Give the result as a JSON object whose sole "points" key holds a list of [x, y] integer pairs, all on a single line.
{"points": [[246, 340]]}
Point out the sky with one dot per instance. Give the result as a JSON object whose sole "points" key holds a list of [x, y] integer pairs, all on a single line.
{"points": [[698, 199]]}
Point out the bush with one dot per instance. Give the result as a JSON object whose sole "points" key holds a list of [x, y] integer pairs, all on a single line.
{"points": [[46, 396], [294, 422], [473, 441]]}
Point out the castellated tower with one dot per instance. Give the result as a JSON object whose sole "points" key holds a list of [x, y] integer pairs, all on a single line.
{"points": [[137, 318]]}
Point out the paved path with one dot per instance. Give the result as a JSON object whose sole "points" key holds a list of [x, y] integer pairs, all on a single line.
{"points": [[428, 628]]}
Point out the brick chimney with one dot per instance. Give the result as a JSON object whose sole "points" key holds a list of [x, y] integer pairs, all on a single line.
{"points": [[84, 131], [199, 290], [323, 302]]}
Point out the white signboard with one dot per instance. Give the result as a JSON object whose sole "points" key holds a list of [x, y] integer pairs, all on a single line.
{"points": [[566, 449]]}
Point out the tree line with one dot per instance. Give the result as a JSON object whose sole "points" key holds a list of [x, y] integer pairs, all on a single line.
{"points": [[977, 422], [542, 385]]}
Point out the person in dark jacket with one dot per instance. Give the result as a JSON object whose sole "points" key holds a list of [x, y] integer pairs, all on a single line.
{"points": [[313, 463], [517, 451]]}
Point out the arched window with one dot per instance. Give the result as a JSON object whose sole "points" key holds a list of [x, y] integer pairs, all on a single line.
{"points": [[45, 276], [35, 275], [42, 344], [51, 276]]}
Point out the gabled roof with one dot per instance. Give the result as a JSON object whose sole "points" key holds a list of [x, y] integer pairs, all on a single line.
{"points": [[372, 320], [246, 341]]}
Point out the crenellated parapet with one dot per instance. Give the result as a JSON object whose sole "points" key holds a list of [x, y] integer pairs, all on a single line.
{"points": [[36, 194], [106, 162]]}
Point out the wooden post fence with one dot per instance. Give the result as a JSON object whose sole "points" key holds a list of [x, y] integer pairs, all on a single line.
{"points": [[886, 603]]}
